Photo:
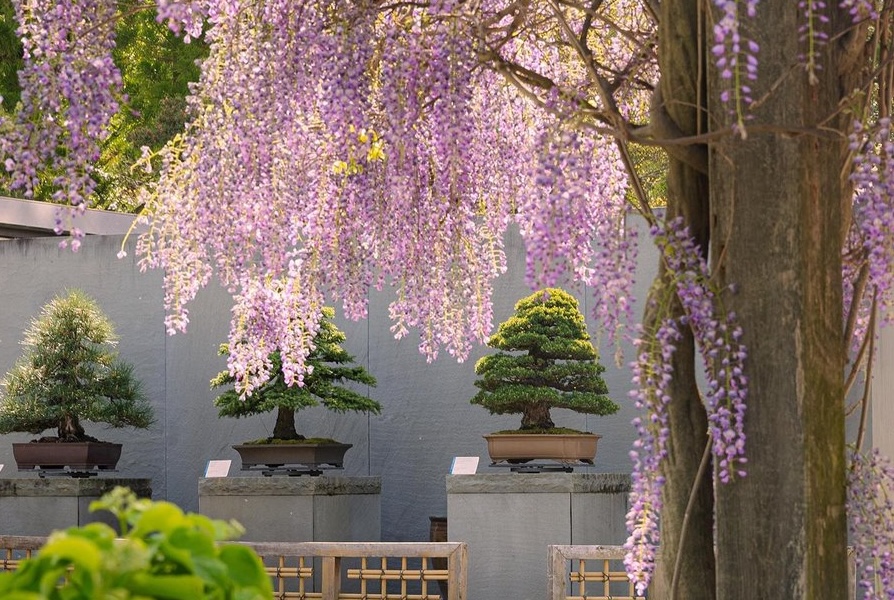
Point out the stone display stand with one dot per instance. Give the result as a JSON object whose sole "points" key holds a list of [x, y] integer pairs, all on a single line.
{"points": [[41, 506], [509, 519], [297, 509]]}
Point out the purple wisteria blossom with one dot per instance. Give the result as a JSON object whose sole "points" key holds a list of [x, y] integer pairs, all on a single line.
{"points": [[870, 507], [873, 224], [70, 91], [735, 55], [717, 337]]}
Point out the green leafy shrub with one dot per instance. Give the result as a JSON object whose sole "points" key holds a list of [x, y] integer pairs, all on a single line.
{"points": [[70, 372], [162, 553], [559, 367], [331, 365]]}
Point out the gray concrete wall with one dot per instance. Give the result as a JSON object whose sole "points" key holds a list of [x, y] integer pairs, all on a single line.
{"points": [[509, 520], [37, 506], [883, 394], [308, 509], [426, 418]]}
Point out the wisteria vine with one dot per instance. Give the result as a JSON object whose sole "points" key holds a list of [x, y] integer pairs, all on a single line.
{"points": [[339, 146], [717, 336], [70, 91], [870, 501]]}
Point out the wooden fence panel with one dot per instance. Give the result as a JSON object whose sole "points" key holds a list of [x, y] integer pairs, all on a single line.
{"points": [[292, 567]]}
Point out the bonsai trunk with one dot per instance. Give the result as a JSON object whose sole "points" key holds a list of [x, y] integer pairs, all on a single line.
{"points": [[285, 425], [70, 429], [536, 416]]}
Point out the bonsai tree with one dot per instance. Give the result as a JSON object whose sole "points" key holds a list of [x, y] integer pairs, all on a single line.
{"points": [[331, 364], [546, 360], [70, 372]]}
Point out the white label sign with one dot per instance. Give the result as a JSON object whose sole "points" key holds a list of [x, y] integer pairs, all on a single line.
{"points": [[217, 468], [464, 465]]}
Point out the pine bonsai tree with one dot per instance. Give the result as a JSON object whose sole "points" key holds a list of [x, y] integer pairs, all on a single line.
{"points": [[559, 367], [331, 365], [70, 372]]}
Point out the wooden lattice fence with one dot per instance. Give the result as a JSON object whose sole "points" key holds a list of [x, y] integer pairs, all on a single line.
{"points": [[336, 570]]}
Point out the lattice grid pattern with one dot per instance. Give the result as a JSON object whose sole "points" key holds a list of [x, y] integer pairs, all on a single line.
{"points": [[17, 548], [589, 573], [338, 571]]}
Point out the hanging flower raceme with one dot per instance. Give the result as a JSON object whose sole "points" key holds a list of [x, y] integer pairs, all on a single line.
{"points": [[717, 338], [873, 224], [735, 56], [870, 507], [574, 219], [70, 90], [652, 373]]}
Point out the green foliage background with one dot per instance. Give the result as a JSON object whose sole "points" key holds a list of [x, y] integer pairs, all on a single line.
{"points": [[156, 67]]}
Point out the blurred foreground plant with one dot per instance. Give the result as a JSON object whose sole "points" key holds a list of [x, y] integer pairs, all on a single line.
{"points": [[163, 553]]}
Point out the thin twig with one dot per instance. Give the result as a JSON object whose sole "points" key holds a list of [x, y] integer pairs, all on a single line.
{"points": [[678, 562], [864, 411]]}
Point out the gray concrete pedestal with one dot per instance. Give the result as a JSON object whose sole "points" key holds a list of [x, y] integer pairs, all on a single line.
{"points": [[41, 506], [509, 519], [297, 509]]}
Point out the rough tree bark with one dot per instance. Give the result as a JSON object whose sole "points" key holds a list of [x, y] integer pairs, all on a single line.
{"points": [[776, 216], [284, 429], [677, 113], [537, 416]]}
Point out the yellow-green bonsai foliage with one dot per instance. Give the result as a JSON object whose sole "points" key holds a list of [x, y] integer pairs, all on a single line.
{"points": [[546, 360]]}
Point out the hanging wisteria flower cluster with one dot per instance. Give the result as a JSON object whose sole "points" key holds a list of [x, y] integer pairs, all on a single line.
{"points": [[366, 147], [735, 56], [718, 338], [69, 94], [873, 179], [652, 374], [870, 505]]}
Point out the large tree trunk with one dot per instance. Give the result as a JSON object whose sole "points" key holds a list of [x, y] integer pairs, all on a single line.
{"points": [[776, 202], [676, 114]]}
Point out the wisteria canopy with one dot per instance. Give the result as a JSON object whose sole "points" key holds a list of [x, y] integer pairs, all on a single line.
{"points": [[334, 146]]}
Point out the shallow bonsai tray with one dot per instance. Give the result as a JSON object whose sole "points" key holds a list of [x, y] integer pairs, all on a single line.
{"points": [[80, 457], [524, 448], [292, 459]]}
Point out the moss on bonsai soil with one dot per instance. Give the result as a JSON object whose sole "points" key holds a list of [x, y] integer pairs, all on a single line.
{"points": [[535, 430], [281, 442]]}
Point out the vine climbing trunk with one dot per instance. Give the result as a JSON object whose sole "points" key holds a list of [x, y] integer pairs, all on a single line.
{"points": [[677, 111], [776, 216]]}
